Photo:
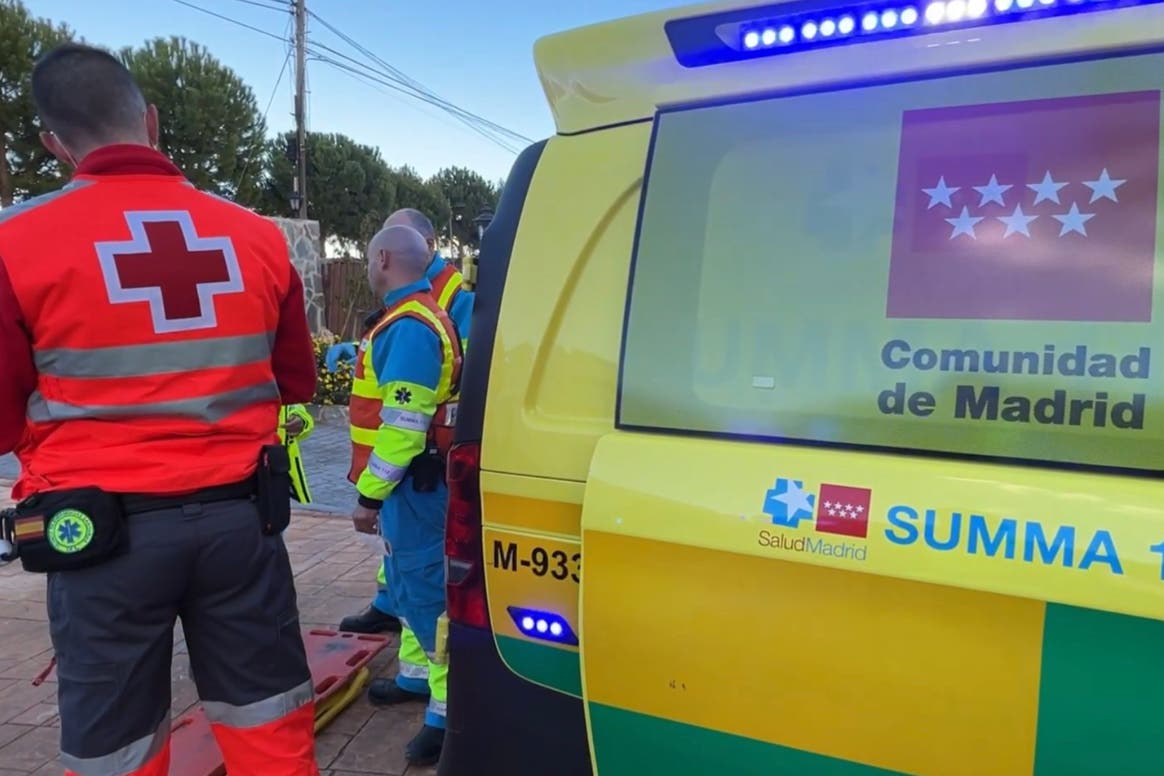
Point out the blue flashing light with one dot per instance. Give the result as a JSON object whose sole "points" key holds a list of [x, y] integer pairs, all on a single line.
{"points": [[801, 25], [546, 626]]}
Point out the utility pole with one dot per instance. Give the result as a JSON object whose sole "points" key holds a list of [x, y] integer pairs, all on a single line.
{"points": [[300, 187]]}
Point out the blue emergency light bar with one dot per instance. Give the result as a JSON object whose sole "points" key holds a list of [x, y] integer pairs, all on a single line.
{"points": [[798, 26], [546, 626]]}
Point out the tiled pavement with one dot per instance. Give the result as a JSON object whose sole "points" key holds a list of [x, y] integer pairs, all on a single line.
{"points": [[333, 574]]}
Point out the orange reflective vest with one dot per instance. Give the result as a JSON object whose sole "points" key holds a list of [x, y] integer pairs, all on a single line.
{"points": [[152, 309], [366, 404], [446, 286]]}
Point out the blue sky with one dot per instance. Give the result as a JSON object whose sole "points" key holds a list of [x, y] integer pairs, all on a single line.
{"points": [[474, 53]]}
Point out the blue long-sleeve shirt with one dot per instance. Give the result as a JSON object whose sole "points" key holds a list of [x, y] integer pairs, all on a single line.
{"points": [[407, 360]]}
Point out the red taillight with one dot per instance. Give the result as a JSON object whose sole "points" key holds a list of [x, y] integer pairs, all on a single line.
{"points": [[466, 579]]}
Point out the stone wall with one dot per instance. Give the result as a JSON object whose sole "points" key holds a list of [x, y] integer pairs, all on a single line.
{"points": [[307, 255]]}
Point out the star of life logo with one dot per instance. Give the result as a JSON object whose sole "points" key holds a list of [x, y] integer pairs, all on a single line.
{"points": [[837, 510]]}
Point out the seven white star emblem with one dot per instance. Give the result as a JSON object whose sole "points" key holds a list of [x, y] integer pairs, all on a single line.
{"points": [[1047, 189], [1073, 221], [1017, 223], [940, 194], [1104, 188], [992, 191], [964, 224]]}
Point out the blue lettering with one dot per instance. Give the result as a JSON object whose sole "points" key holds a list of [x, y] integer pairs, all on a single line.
{"points": [[955, 531], [898, 517], [1102, 541], [1064, 540], [888, 358], [1159, 550], [980, 532]]}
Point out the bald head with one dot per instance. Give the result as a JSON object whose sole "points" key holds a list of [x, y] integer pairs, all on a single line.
{"points": [[414, 218], [397, 256]]}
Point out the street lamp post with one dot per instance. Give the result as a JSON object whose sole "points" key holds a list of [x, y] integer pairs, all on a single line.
{"points": [[482, 221]]}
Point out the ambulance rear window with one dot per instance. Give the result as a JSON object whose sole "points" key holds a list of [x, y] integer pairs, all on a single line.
{"points": [[961, 264]]}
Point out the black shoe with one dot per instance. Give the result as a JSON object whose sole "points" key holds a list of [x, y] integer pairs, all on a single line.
{"points": [[371, 620], [425, 748], [385, 692]]}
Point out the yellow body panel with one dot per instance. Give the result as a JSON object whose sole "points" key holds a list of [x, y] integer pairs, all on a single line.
{"points": [[879, 671]]}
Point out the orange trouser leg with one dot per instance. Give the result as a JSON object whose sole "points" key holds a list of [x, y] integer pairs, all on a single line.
{"points": [[158, 765], [284, 747]]}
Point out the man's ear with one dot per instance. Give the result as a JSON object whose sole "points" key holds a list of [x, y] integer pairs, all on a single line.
{"points": [[152, 125], [54, 146]]}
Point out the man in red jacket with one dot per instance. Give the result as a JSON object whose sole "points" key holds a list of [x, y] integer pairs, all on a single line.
{"points": [[148, 334]]}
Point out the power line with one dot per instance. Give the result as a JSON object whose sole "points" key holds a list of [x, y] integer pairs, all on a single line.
{"points": [[423, 94], [228, 19], [268, 6], [395, 74], [282, 71], [483, 131]]}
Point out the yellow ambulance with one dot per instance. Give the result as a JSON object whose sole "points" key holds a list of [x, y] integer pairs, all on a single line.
{"points": [[813, 421]]}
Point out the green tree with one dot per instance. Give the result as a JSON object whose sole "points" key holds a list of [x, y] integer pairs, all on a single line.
{"points": [[26, 169], [468, 194], [211, 125], [426, 196], [350, 189]]}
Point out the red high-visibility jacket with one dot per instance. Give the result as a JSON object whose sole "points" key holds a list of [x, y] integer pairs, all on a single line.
{"points": [[162, 328]]}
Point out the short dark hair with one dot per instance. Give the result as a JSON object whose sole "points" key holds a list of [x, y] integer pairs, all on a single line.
{"points": [[85, 94], [418, 221]]}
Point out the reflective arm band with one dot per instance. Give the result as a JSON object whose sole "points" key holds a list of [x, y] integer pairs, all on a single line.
{"points": [[380, 477], [406, 420]]}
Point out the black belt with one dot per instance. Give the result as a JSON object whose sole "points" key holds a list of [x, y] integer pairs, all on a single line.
{"points": [[136, 503]]}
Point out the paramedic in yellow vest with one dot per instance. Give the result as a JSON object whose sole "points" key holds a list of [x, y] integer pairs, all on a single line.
{"points": [[458, 303], [295, 425], [412, 357]]}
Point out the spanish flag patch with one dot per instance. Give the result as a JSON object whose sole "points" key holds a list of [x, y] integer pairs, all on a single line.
{"points": [[28, 528]]}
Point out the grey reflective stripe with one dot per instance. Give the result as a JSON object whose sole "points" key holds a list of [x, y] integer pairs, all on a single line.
{"points": [[413, 671], [31, 204], [155, 359], [439, 708], [259, 712], [210, 409], [389, 472], [408, 420], [127, 759]]}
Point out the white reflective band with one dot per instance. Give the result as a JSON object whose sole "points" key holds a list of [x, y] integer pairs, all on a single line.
{"points": [[210, 409], [156, 358], [408, 420], [128, 759], [389, 472], [439, 708], [413, 671], [259, 712]]}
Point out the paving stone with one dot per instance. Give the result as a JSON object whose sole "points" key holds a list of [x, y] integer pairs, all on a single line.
{"points": [[335, 577], [379, 746], [35, 749]]}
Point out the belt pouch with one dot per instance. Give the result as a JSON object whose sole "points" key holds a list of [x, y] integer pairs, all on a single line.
{"points": [[273, 487], [69, 529]]}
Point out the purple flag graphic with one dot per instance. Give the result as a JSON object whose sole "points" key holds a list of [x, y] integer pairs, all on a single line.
{"points": [[1042, 210]]}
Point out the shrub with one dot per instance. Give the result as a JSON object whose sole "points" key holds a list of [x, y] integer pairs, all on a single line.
{"points": [[333, 388]]}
